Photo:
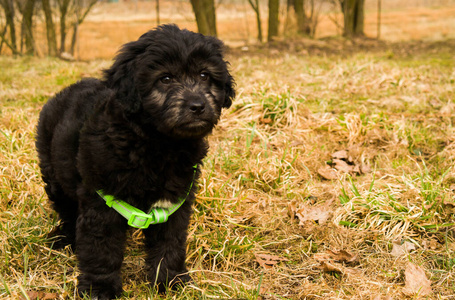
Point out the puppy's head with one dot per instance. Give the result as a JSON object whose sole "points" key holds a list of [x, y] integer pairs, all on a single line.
{"points": [[175, 79]]}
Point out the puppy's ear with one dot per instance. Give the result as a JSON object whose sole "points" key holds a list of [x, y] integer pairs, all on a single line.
{"points": [[120, 77], [229, 91]]}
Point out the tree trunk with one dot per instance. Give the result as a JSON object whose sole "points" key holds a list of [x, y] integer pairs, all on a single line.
{"points": [[63, 7], [303, 26], [211, 15], [274, 9], [354, 14], [379, 20], [27, 27], [74, 38], [8, 7], [50, 29], [204, 11], [289, 4], [157, 12], [201, 18], [259, 23], [2, 39]]}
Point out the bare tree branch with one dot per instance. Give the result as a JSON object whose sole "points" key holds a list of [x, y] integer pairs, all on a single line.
{"points": [[8, 44], [255, 7], [89, 7]]}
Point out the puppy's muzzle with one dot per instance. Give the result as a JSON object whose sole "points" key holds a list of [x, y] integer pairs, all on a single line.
{"points": [[196, 103], [197, 107]]}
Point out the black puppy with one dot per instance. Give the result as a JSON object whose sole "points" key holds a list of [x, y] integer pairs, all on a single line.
{"points": [[137, 135]]}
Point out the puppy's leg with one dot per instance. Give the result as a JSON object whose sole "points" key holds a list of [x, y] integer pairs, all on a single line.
{"points": [[67, 211], [166, 250], [100, 245]]}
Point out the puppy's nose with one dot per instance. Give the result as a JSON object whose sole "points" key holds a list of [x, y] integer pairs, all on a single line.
{"points": [[197, 106]]}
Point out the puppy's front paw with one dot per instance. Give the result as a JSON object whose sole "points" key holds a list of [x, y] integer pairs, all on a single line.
{"points": [[101, 290], [60, 237], [180, 280], [171, 279], [98, 294]]}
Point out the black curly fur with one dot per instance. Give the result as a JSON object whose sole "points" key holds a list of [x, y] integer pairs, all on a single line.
{"points": [[136, 134]]}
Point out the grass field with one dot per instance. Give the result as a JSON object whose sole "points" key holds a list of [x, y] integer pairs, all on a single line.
{"points": [[331, 177]]}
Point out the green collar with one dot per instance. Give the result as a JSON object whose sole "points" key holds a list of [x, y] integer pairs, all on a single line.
{"points": [[139, 219]]}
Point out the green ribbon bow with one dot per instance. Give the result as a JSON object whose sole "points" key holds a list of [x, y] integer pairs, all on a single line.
{"points": [[136, 217]]}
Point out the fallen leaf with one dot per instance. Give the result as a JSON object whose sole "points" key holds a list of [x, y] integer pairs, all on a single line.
{"points": [[329, 267], [341, 256], [308, 228], [379, 297], [263, 290], [400, 249], [296, 143], [342, 154], [416, 282], [328, 173], [356, 169], [41, 295], [292, 210], [430, 244], [267, 261], [342, 161], [364, 169], [265, 120], [320, 213], [342, 166], [449, 206], [322, 256], [344, 256]]}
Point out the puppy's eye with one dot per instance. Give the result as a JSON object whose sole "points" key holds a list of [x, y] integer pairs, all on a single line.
{"points": [[166, 79], [204, 76]]}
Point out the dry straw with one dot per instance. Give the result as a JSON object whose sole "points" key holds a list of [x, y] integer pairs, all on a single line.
{"points": [[246, 241]]}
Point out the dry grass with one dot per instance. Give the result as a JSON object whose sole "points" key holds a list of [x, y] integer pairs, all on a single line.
{"points": [[392, 109]]}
